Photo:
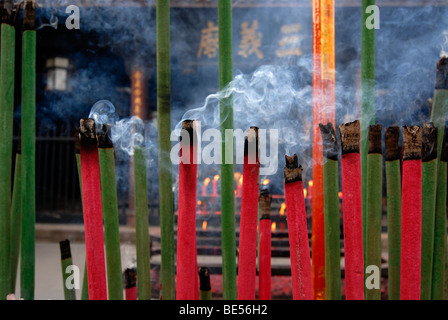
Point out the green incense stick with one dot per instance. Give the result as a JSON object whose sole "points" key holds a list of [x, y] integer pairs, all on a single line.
{"points": [[205, 290], [110, 214], [374, 205], [429, 185], [85, 289], [438, 286], [7, 52], [393, 181], [142, 225], [331, 213], [28, 152], [166, 205], [16, 219], [438, 117], [66, 261], [368, 100], [227, 170]]}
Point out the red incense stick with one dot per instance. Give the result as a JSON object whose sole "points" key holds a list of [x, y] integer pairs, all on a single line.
{"points": [[302, 288], [247, 266], [350, 134], [187, 286], [264, 262], [130, 275], [93, 216], [411, 214]]}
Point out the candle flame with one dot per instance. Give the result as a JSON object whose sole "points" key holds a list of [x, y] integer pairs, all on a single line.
{"points": [[282, 209], [310, 183], [241, 179], [216, 177], [340, 195], [199, 202], [266, 181], [206, 181], [273, 226], [305, 192], [204, 225]]}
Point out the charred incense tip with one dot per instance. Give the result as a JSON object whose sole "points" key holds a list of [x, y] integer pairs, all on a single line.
{"points": [[412, 143], [104, 141], [293, 172], [9, 12], [251, 142], [130, 278], [204, 279], [442, 74], [264, 201], [29, 15], [189, 127], [87, 134], [429, 142], [392, 137], [65, 249], [444, 151], [375, 139], [330, 142], [350, 136]]}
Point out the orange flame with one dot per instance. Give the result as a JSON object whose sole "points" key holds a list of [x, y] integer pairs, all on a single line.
{"points": [[199, 202], [282, 209], [206, 181], [216, 177], [305, 192], [310, 183], [204, 225], [266, 181], [273, 226], [340, 195], [241, 179]]}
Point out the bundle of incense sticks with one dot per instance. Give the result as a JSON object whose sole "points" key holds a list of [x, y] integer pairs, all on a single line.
{"points": [[264, 273], [331, 213], [411, 214], [302, 287], [130, 287], [393, 181], [93, 217], [350, 134], [187, 272], [247, 266]]}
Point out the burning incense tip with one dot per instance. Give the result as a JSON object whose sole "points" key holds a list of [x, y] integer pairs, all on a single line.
{"points": [[412, 142], [429, 142], [65, 249], [442, 74], [87, 133], [29, 15], [251, 143], [264, 201], [330, 143], [392, 137], [104, 140], [293, 172], [375, 140], [350, 136]]}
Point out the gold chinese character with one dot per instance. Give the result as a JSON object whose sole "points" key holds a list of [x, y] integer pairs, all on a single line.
{"points": [[290, 42], [250, 40], [209, 41]]}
